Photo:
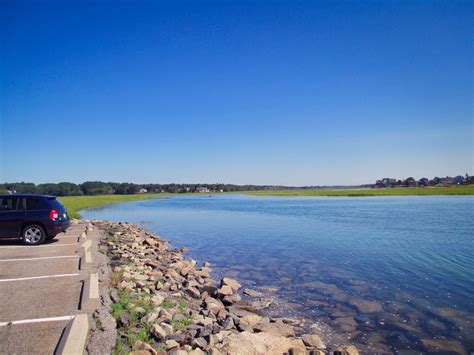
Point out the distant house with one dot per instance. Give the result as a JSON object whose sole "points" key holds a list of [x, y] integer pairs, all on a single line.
{"points": [[423, 182], [443, 181], [410, 182], [202, 189], [142, 191], [386, 182], [458, 179]]}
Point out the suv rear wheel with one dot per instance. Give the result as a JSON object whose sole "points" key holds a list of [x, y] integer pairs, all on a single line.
{"points": [[33, 235]]}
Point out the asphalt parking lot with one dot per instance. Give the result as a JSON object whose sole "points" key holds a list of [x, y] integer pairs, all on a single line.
{"points": [[40, 292]]}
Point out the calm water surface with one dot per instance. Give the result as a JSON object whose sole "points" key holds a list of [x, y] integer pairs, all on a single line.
{"points": [[392, 271]]}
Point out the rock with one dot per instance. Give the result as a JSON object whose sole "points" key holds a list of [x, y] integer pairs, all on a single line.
{"points": [[114, 296], [144, 346], [229, 323], [167, 327], [151, 317], [193, 292], [165, 315], [313, 340], [157, 299], [246, 343], [230, 282], [240, 312], [178, 352], [158, 332], [200, 342], [179, 337], [205, 321], [366, 306], [210, 289], [252, 293], [213, 305], [251, 319], [205, 331], [139, 352], [245, 327], [346, 324], [228, 300], [124, 319], [225, 291], [348, 350], [171, 344], [275, 328], [443, 346], [196, 351]]}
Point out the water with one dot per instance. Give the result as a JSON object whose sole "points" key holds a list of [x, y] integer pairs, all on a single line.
{"points": [[411, 257]]}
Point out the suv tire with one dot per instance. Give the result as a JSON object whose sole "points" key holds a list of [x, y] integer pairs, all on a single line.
{"points": [[33, 235]]}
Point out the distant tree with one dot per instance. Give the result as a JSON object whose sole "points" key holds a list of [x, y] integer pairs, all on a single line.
{"points": [[96, 188]]}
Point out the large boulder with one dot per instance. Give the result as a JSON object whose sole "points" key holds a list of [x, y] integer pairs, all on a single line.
{"points": [[246, 343], [230, 282], [278, 327]]}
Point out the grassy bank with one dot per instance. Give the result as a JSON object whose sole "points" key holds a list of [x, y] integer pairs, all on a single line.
{"points": [[74, 204], [395, 191]]}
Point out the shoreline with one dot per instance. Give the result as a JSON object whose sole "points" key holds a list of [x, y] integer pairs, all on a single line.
{"points": [[168, 302], [76, 204]]}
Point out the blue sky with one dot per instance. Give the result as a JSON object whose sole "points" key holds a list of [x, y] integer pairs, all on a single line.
{"points": [[263, 92]]}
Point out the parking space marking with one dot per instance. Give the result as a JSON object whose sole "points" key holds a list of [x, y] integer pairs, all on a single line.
{"points": [[42, 258], [38, 246], [36, 320], [38, 277]]}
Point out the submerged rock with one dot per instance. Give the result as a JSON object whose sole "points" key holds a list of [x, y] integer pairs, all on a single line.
{"points": [[366, 306]]}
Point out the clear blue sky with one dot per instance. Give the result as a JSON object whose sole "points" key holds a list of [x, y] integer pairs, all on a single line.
{"points": [[262, 92]]}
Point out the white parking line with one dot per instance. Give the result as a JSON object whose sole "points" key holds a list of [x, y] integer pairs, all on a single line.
{"points": [[37, 246], [37, 277], [42, 258], [36, 320]]}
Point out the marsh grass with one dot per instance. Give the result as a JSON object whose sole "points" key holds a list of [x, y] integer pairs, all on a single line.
{"points": [[74, 204], [391, 191]]}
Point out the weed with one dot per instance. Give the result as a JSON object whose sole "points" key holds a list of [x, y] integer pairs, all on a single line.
{"points": [[168, 304]]}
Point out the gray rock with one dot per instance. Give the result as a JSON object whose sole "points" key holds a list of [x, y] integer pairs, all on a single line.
{"points": [[158, 332], [200, 342], [193, 292], [228, 323]]}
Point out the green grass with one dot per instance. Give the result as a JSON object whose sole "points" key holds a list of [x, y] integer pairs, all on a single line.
{"points": [[395, 191], [74, 204]]}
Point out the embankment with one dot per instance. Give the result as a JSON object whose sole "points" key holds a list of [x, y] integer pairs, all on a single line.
{"points": [[163, 302]]}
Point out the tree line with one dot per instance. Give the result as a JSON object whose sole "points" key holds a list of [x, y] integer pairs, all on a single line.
{"points": [[109, 188]]}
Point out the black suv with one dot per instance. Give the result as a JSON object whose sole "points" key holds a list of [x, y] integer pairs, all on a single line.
{"points": [[33, 218]]}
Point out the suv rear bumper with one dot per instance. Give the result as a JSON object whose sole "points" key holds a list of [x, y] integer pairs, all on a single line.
{"points": [[58, 227]]}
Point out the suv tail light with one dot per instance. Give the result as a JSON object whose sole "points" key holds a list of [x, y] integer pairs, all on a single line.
{"points": [[53, 215]]}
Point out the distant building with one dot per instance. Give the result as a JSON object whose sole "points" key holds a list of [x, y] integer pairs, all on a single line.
{"points": [[410, 182], [202, 189], [458, 179], [386, 182], [423, 182], [142, 191]]}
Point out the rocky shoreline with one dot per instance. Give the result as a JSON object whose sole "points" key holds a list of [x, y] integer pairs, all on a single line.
{"points": [[165, 303]]}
